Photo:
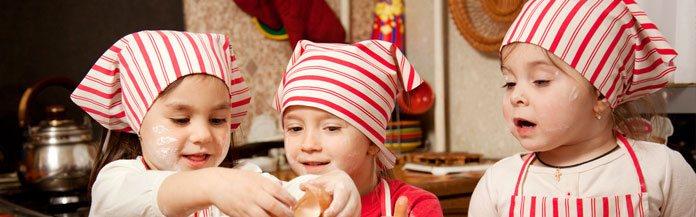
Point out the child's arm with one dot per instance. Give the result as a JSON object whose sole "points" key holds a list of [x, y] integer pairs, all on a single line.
{"points": [[234, 192], [423, 204], [124, 189], [679, 187], [482, 203]]}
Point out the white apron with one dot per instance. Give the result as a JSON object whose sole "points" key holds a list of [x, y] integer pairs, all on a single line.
{"points": [[630, 205]]}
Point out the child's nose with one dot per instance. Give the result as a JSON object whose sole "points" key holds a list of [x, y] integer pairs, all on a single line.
{"points": [[201, 134], [311, 144], [518, 97]]}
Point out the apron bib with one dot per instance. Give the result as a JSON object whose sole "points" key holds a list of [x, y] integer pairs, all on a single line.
{"points": [[630, 205]]}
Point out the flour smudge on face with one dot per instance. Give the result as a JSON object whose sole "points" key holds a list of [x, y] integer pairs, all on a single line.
{"points": [[160, 129]]}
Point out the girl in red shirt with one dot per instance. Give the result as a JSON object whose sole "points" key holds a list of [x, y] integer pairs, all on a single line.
{"points": [[335, 101]]}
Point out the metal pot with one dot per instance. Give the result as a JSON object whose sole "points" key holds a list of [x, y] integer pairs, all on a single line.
{"points": [[58, 154]]}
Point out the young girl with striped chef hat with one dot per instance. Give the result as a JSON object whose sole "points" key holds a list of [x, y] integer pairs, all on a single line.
{"points": [[571, 69], [335, 101], [170, 101]]}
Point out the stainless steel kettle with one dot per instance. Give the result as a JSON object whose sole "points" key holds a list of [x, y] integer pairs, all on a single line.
{"points": [[59, 153]]}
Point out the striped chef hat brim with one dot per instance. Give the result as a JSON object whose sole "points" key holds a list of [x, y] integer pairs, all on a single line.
{"points": [[126, 80], [100, 93], [611, 43], [355, 82]]}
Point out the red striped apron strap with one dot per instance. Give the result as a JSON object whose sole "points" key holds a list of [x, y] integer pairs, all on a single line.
{"points": [[636, 164], [523, 170]]}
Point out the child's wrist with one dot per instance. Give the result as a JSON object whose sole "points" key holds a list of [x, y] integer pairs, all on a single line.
{"points": [[210, 181], [212, 177]]}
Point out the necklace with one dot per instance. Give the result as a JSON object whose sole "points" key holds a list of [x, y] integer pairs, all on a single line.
{"points": [[557, 174]]}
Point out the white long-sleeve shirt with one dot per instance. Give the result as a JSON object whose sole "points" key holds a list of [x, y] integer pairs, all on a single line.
{"points": [[670, 181], [127, 188]]}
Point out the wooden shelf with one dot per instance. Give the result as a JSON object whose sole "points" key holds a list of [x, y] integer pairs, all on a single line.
{"points": [[681, 85]]}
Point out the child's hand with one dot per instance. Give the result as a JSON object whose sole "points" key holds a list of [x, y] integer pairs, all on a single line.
{"points": [[401, 207], [346, 198], [243, 193]]}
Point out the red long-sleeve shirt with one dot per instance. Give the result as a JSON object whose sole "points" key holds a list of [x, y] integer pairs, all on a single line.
{"points": [[421, 203]]}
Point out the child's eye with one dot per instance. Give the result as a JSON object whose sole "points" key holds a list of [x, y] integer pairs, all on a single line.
{"points": [[218, 121], [332, 128], [542, 83], [509, 85], [294, 129], [180, 121]]}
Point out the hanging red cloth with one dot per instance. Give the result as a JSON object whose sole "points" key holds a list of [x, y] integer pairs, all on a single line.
{"points": [[302, 19]]}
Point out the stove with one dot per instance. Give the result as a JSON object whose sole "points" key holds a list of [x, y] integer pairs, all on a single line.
{"points": [[18, 200]]}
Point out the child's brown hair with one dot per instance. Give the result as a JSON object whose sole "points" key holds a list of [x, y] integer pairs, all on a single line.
{"points": [[626, 115], [124, 145], [121, 145]]}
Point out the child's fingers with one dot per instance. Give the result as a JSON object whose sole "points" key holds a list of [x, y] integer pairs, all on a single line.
{"points": [[319, 183], [303, 186], [255, 211], [340, 199], [283, 196], [280, 194], [352, 208], [401, 207], [273, 206]]}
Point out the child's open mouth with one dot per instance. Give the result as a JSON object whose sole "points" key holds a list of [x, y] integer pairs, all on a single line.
{"points": [[523, 126], [315, 166], [196, 160]]}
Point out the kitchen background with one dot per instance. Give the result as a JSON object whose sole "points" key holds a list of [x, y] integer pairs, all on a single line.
{"points": [[48, 38]]}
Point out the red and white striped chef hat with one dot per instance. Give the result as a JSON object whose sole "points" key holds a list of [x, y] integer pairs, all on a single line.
{"points": [[355, 82], [612, 43], [124, 83]]}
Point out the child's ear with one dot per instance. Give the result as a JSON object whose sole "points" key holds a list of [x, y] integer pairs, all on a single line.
{"points": [[601, 105], [372, 150]]}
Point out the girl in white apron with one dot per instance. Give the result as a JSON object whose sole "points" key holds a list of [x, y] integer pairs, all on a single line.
{"points": [[335, 101], [630, 204], [572, 70], [172, 99]]}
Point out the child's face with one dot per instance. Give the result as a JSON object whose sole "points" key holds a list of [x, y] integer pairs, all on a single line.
{"points": [[188, 128], [317, 142], [546, 106]]}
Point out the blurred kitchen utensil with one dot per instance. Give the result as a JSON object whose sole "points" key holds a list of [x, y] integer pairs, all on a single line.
{"points": [[58, 153]]}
